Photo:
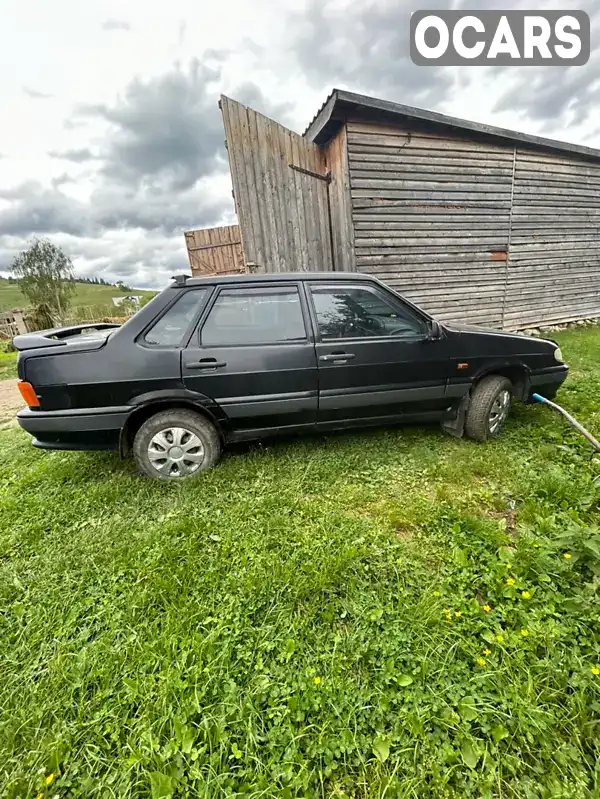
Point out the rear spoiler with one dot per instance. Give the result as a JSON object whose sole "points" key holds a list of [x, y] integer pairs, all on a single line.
{"points": [[56, 336]]}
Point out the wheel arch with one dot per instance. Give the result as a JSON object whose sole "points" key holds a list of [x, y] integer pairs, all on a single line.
{"points": [[517, 373], [141, 412]]}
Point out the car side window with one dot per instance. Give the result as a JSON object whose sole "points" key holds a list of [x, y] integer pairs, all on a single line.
{"points": [[362, 312], [171, 328], [254, 316]]}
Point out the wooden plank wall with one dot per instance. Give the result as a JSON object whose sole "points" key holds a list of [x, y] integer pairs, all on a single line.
{"points": [[446, 222], [554, 265], [283, 214], [431, 218], [340, 204], [215, 251]]}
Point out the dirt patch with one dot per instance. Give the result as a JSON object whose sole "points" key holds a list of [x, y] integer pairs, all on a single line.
{"points": [[402, 532], [10, 400], [509, 516]]}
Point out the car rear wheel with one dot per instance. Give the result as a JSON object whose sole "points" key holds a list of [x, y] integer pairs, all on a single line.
{"points": [[176, 445], [489, 407]]}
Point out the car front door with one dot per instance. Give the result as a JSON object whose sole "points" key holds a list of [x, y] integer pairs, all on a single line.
{"points": [[254, 355], [374, 354]]}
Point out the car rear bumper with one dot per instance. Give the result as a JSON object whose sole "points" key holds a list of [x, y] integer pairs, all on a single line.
{"points": [[80, 430], [547, 381]]}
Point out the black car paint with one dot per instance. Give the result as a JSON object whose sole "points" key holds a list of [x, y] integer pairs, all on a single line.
{"points": [[93, 388]]}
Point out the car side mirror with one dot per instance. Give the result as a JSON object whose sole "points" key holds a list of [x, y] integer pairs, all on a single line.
{"points": [[435, 331]]}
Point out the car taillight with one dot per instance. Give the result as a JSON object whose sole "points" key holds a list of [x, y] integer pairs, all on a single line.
{"points": [[28, 394]]}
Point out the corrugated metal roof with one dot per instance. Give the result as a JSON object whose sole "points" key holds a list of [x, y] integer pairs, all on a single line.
{"points": [[341, 103]]}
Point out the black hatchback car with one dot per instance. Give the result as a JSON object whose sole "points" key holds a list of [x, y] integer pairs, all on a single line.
{"points": [[214, 360]]}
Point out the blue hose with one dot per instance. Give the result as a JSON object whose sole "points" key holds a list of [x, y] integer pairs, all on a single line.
{"points": [[573, 422]]}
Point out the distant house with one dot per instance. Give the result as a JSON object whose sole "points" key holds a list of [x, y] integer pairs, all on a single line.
{"points": [[134, 299]]}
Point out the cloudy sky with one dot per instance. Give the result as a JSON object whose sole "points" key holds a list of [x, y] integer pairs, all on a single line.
{"points": [[111, 142]]}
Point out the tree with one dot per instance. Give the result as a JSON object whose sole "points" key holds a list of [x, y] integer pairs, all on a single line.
{"points": [[45, 276]]}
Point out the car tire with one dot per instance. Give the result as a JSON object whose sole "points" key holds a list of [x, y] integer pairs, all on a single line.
{"points": [[189, 442], [489, 406]]}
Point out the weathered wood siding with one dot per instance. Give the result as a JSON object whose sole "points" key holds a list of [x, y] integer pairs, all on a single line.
{"points": [[476, 232], [431, 217], [282, 212], [215, 251], [554, 265], [340, 204]]}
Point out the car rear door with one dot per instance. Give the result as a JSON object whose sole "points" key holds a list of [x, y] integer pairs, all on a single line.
{"points": [[374, 354], [254, 355]]}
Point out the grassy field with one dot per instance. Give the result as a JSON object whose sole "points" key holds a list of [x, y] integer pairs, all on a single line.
{"points": [[8, 365], [392, 613], [86, 295]]}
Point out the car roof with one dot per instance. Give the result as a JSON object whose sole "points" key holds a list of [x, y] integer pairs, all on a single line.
{"points": [[185, 280]]}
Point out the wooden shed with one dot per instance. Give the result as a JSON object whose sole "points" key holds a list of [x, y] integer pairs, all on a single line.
{"points": [[472, 222]]}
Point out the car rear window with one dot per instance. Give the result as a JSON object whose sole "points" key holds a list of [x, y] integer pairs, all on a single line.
{"points": [[170, 330]]}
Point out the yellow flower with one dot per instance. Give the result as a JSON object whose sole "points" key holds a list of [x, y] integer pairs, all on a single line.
{"points": [[40, 796], [526, 595], [595, 671], [486, 609], [510, 581], [524, 632], [567, 556], [436, 593], [487, 651], [50, 779], [481, 661], [458, 614], [500, 638], [317, 680]]}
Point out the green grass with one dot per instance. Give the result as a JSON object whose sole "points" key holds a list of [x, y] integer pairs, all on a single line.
{"points": [[307, 620], [8, 365], [86, 296]]}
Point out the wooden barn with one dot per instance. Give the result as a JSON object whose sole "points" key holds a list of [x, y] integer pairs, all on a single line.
{"points": [[472, 222]]}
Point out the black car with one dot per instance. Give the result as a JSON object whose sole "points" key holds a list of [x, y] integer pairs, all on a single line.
{"points": [[214, 360]]}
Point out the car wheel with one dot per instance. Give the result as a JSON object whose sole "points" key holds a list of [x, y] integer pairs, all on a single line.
{"points": [[489, 407], [176, 445]]}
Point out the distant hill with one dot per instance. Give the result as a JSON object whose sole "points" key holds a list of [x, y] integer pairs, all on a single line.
{"points": [[87, 295]]}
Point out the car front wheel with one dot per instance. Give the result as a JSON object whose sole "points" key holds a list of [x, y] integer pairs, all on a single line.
{"points": [[489, 407], [176, 445]]}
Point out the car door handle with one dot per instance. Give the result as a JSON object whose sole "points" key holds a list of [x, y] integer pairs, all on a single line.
{"points": [[205, 363], [337, 356]]}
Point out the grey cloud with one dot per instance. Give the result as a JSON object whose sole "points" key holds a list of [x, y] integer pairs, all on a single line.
{"points": [[365, 46], [557, 97], [61, 180], [166, 130], [7, 255], [36, 209], [116, 25], [251, 95], [35, 94], [78, 156], [153, 210]]}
